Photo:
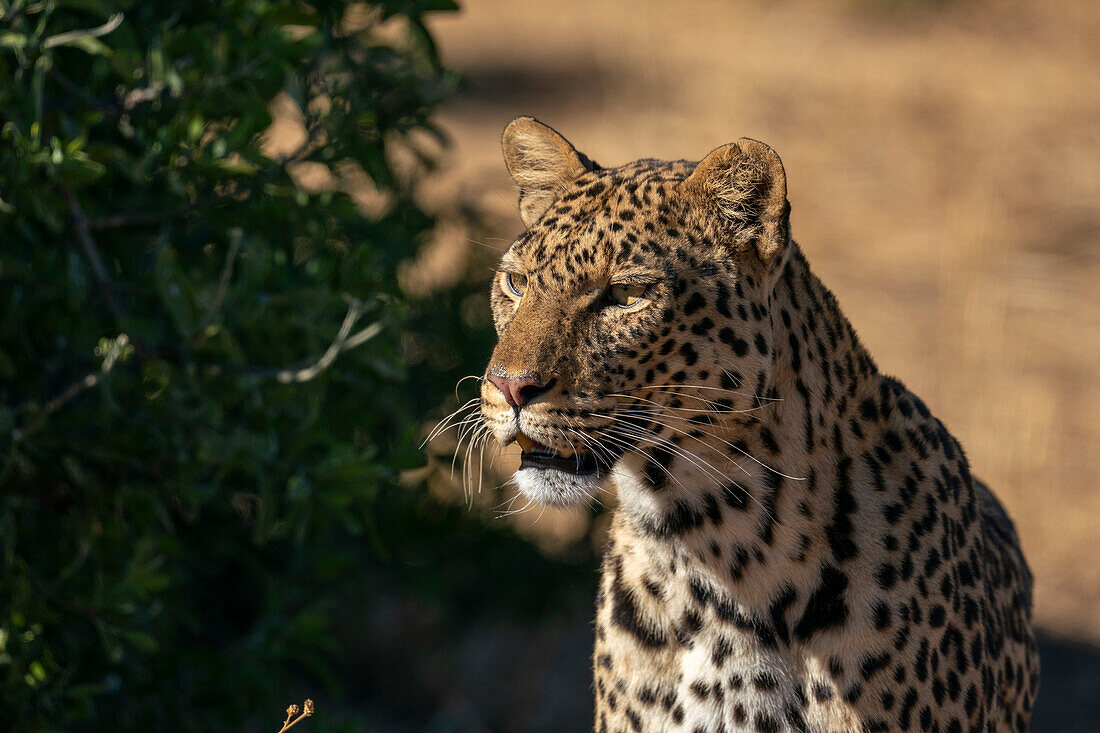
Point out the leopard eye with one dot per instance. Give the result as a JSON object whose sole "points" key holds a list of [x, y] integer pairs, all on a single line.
{"points": [[514, 284], [627, 295]]}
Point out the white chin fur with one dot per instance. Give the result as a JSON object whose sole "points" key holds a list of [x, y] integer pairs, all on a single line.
{"points": [[556, 488]]}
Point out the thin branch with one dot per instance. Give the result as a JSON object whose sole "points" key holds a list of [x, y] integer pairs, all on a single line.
{"points": [[235, 236], [134, 97], [62, 38], [92, 254], [71, 392], [113, 352], [363, 336], [143, 218], [19, 434], [343, 342], [293, 710]]}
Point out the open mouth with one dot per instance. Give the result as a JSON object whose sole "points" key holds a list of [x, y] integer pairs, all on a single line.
{"points": [[537, 455]]}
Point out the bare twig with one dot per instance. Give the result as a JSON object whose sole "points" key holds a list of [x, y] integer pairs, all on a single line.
{"points": [[19, 434], [92, 254], [113, 352], [70, 393], [291, 721], [363, 336], [143, 218], [62, 38], [342, 342], [134, 97], [235, 237]]}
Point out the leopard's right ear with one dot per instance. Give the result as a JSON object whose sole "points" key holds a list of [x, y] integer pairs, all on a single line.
{"points": [[542, 164]]}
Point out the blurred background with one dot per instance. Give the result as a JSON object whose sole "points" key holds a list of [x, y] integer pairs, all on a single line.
{"points": [[244, 256]]}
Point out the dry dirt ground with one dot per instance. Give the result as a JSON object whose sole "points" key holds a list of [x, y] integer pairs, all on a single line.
{"points": [[943, 161]]}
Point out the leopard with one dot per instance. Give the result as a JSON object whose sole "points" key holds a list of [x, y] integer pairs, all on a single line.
{"points": [[796, 542]]}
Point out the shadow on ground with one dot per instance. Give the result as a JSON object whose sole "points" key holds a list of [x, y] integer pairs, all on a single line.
{"points": [[502, 677], [1069, 693]]}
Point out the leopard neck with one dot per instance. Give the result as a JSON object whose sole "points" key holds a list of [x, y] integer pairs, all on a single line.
{"points": [[786, 502], [821, 372]]}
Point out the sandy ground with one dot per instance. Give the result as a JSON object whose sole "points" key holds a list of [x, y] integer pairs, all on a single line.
{"points": [[944, 172]]}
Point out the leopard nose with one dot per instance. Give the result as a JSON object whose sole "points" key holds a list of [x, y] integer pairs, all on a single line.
{"points": [[518, 391]]}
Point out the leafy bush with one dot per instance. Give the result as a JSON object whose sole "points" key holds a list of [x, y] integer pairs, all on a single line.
{"points": [[200, 376]]}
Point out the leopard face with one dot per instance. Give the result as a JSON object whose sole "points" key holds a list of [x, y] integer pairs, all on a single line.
{"points": [[631, 314]]}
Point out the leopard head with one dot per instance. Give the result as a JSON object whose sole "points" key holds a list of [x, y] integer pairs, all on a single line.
{"points": [[633, 311]]}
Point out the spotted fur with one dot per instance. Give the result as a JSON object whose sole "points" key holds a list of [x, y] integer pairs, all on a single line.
{"points": [[798, 543]]}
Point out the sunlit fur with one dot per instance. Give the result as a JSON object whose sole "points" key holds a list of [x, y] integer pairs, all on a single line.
{"points": [[798, 543], [556, 488]]}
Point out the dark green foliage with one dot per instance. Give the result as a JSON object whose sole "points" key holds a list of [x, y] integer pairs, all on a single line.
{"points": [[184, 490]]}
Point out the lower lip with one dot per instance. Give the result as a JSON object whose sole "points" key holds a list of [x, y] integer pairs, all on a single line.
{"points": [[574, 464]]}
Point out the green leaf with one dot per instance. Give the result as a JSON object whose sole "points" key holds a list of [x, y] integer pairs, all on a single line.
{"points": [[79, 170], [237, 167], [10, 39], [194, 128], [142, 640], [287, 14]]}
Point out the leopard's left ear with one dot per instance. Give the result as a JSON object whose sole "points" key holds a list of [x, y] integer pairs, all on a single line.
{"points": [[744, 186], [542, 164]]}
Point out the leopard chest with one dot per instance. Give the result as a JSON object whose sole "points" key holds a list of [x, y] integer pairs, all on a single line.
{"points": [[670, 655]]}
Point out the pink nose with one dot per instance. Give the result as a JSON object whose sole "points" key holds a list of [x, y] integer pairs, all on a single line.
{"points": [[518, 391]]}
